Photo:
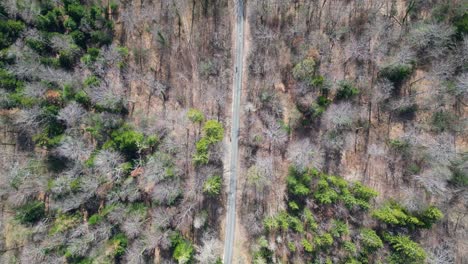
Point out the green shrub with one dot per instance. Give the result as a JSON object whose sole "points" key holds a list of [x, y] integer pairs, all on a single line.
{"points": [[406, 250], [101, 38], [196, 116], [339, 228], [309, 219], [67, 58], [183, 250], [308, 247], [350, 247], [325, 240], [38, 45], [291, 246], [304, 71], [394, 214], [64, 222], [9, 32], [298, 182], [70, 24], [82, 98], [459, 177], [95, 219], [30, 212], [79, 38], [8, 81], [212, 186], [76, 11], [51, 21], [461, 23], [369, 239], [396, 73], [443, 121], [118, 244], [317, 81], [91, 56], [213, 131], [430, 216], [126, 140], [346, 90], [293, 206], [400, 146], [296, 224], [363, 192], [270, 223]]}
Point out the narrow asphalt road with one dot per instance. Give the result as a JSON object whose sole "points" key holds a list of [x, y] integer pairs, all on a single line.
{"points": [[237, 87]]}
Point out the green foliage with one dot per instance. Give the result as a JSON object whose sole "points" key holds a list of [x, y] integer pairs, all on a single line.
{"points": [[308, 247], [51, 21], [304, 70], [213, 132], [129, 141], [68, 58], [82, 98], [9, 32], [394, 214], [369, 239], [183, 250], [94, 219], [339, 228], [406, 250], [118, 244], [52, 132], [8, 81], [91, 56], [430, 216], [396, 73], [293, 206], [346, 90], [296, 224], [196, 116], [309, 219], [328, 194], [212, 186], [91, 80], [64, 222], [38, 45], [363, 192], [461, 23], [291, 246], [459, 177], [399, 146], [324, 241], [443, 121], [350, 247], [298, 183], [31, 212], [317, 81]]}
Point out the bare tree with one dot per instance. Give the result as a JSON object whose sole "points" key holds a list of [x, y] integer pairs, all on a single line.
{"points": [[107, 95], [74, 149], [275, 135], [443, 253], [72, 114], [340, 116], [107, 163], [303, 154], [211, 250], [431, 37]]}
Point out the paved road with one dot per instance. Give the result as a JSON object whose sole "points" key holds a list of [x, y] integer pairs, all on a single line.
{"points": [[237, 87]]}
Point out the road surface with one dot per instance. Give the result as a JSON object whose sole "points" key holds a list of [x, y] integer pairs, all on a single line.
{"points": [[237, 87]]}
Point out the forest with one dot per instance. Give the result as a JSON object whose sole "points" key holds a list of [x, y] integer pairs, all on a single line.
{"points": [[117, 123]]}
